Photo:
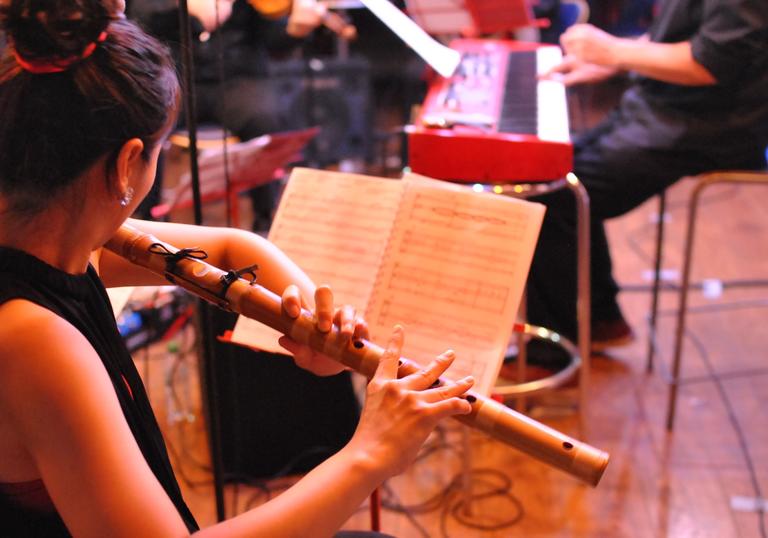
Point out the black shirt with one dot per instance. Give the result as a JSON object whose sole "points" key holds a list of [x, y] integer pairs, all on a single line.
{"points": [[83, 301], [730, 39]]}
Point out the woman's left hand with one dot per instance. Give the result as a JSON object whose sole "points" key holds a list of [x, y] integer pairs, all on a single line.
{"points": [[351, 327]]}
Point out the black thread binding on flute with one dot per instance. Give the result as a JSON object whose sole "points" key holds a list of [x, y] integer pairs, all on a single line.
{"points": [[232, 275], [173, 258]]}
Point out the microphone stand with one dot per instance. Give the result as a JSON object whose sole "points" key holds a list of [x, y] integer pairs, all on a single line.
{"points": [[308, 83], [208, 366]]}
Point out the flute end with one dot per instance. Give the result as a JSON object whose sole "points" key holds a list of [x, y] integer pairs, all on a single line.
{"points": [[589, 463]]}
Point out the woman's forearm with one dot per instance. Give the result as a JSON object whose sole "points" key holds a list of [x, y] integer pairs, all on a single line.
{"points": [[227, 248], [318, 505], [276, 270]]}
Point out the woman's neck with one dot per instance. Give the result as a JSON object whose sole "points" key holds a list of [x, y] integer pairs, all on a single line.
{"points": [[60, 240]]}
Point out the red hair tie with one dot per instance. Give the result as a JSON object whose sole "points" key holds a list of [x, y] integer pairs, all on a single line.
{"points": [[42, 67]]}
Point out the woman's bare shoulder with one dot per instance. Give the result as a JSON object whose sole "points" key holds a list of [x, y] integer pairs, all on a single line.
{"points": [[40, 353], [60, 406], [25, 328]]}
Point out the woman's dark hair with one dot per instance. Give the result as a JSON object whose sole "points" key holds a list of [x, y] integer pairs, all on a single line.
{"points": [[55, 125]]}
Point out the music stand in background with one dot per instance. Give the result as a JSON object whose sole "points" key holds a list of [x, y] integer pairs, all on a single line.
{"points": [[471, 17], [493, 16], [441, 17], [249, 164]]}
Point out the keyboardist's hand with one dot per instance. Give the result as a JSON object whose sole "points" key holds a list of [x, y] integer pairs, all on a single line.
{"points": [[572, 71], [592, 45]]}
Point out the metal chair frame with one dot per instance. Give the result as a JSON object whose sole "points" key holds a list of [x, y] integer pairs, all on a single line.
{"points": [[702, 182]]}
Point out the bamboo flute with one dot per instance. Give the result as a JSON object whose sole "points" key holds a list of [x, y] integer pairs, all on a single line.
{"points": [[230, 292]]}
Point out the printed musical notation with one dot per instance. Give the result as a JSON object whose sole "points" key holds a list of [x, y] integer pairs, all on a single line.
{"points": [[446, 262], [454, 273], [335, 227]]}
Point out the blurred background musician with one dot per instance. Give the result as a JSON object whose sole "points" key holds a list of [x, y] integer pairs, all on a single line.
{"points": [[696, 102], [233, 42]]}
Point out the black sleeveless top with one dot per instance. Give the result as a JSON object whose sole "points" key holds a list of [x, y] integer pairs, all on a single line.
{"points": [[83, 301]]}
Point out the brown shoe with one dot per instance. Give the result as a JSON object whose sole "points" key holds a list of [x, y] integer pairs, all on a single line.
{"points": [[611, 333]]}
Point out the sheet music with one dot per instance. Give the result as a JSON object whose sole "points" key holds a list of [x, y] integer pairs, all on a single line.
{"points": [[448, 263], [335, 226], [442, 59], [454, 274]]}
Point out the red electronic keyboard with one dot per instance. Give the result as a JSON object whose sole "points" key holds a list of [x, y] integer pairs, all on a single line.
{"points": [[493, 120]]}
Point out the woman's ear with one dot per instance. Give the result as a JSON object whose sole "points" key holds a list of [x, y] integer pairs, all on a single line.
{"points": [[129, 165]]}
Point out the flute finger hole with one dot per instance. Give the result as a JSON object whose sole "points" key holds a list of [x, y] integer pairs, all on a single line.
{"points": [[357, 344], [470, 398], [567, 445]]}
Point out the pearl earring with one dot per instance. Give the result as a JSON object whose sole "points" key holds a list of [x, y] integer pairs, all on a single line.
{"points": [[127, 197]]}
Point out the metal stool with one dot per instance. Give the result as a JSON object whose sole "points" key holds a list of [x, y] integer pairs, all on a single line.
{"points": [[702, 182], [558, 379]]}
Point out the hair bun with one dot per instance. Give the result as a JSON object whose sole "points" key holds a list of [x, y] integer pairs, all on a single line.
{"points": [[53, 29]]}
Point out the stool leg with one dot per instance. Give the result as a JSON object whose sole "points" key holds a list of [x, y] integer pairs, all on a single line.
{"points": [[466, 470], [683, 304], [234, 210], [584, 297], [375, 510], [656, 282], [704, 180], [521, 402]]}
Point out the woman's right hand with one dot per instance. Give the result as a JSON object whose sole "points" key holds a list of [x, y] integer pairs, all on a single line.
{"points": [[399, 414]]}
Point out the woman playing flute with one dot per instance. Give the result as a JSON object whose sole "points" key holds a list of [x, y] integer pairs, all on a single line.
{"points": [[86, 98]]}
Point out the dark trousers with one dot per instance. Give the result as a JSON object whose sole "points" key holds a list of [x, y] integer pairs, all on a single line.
{"points": [[619, 175]]}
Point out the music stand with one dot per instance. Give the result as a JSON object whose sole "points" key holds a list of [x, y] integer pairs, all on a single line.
{"points": [[249, 164], [492, 16], [471, 17], [441, 17]]}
